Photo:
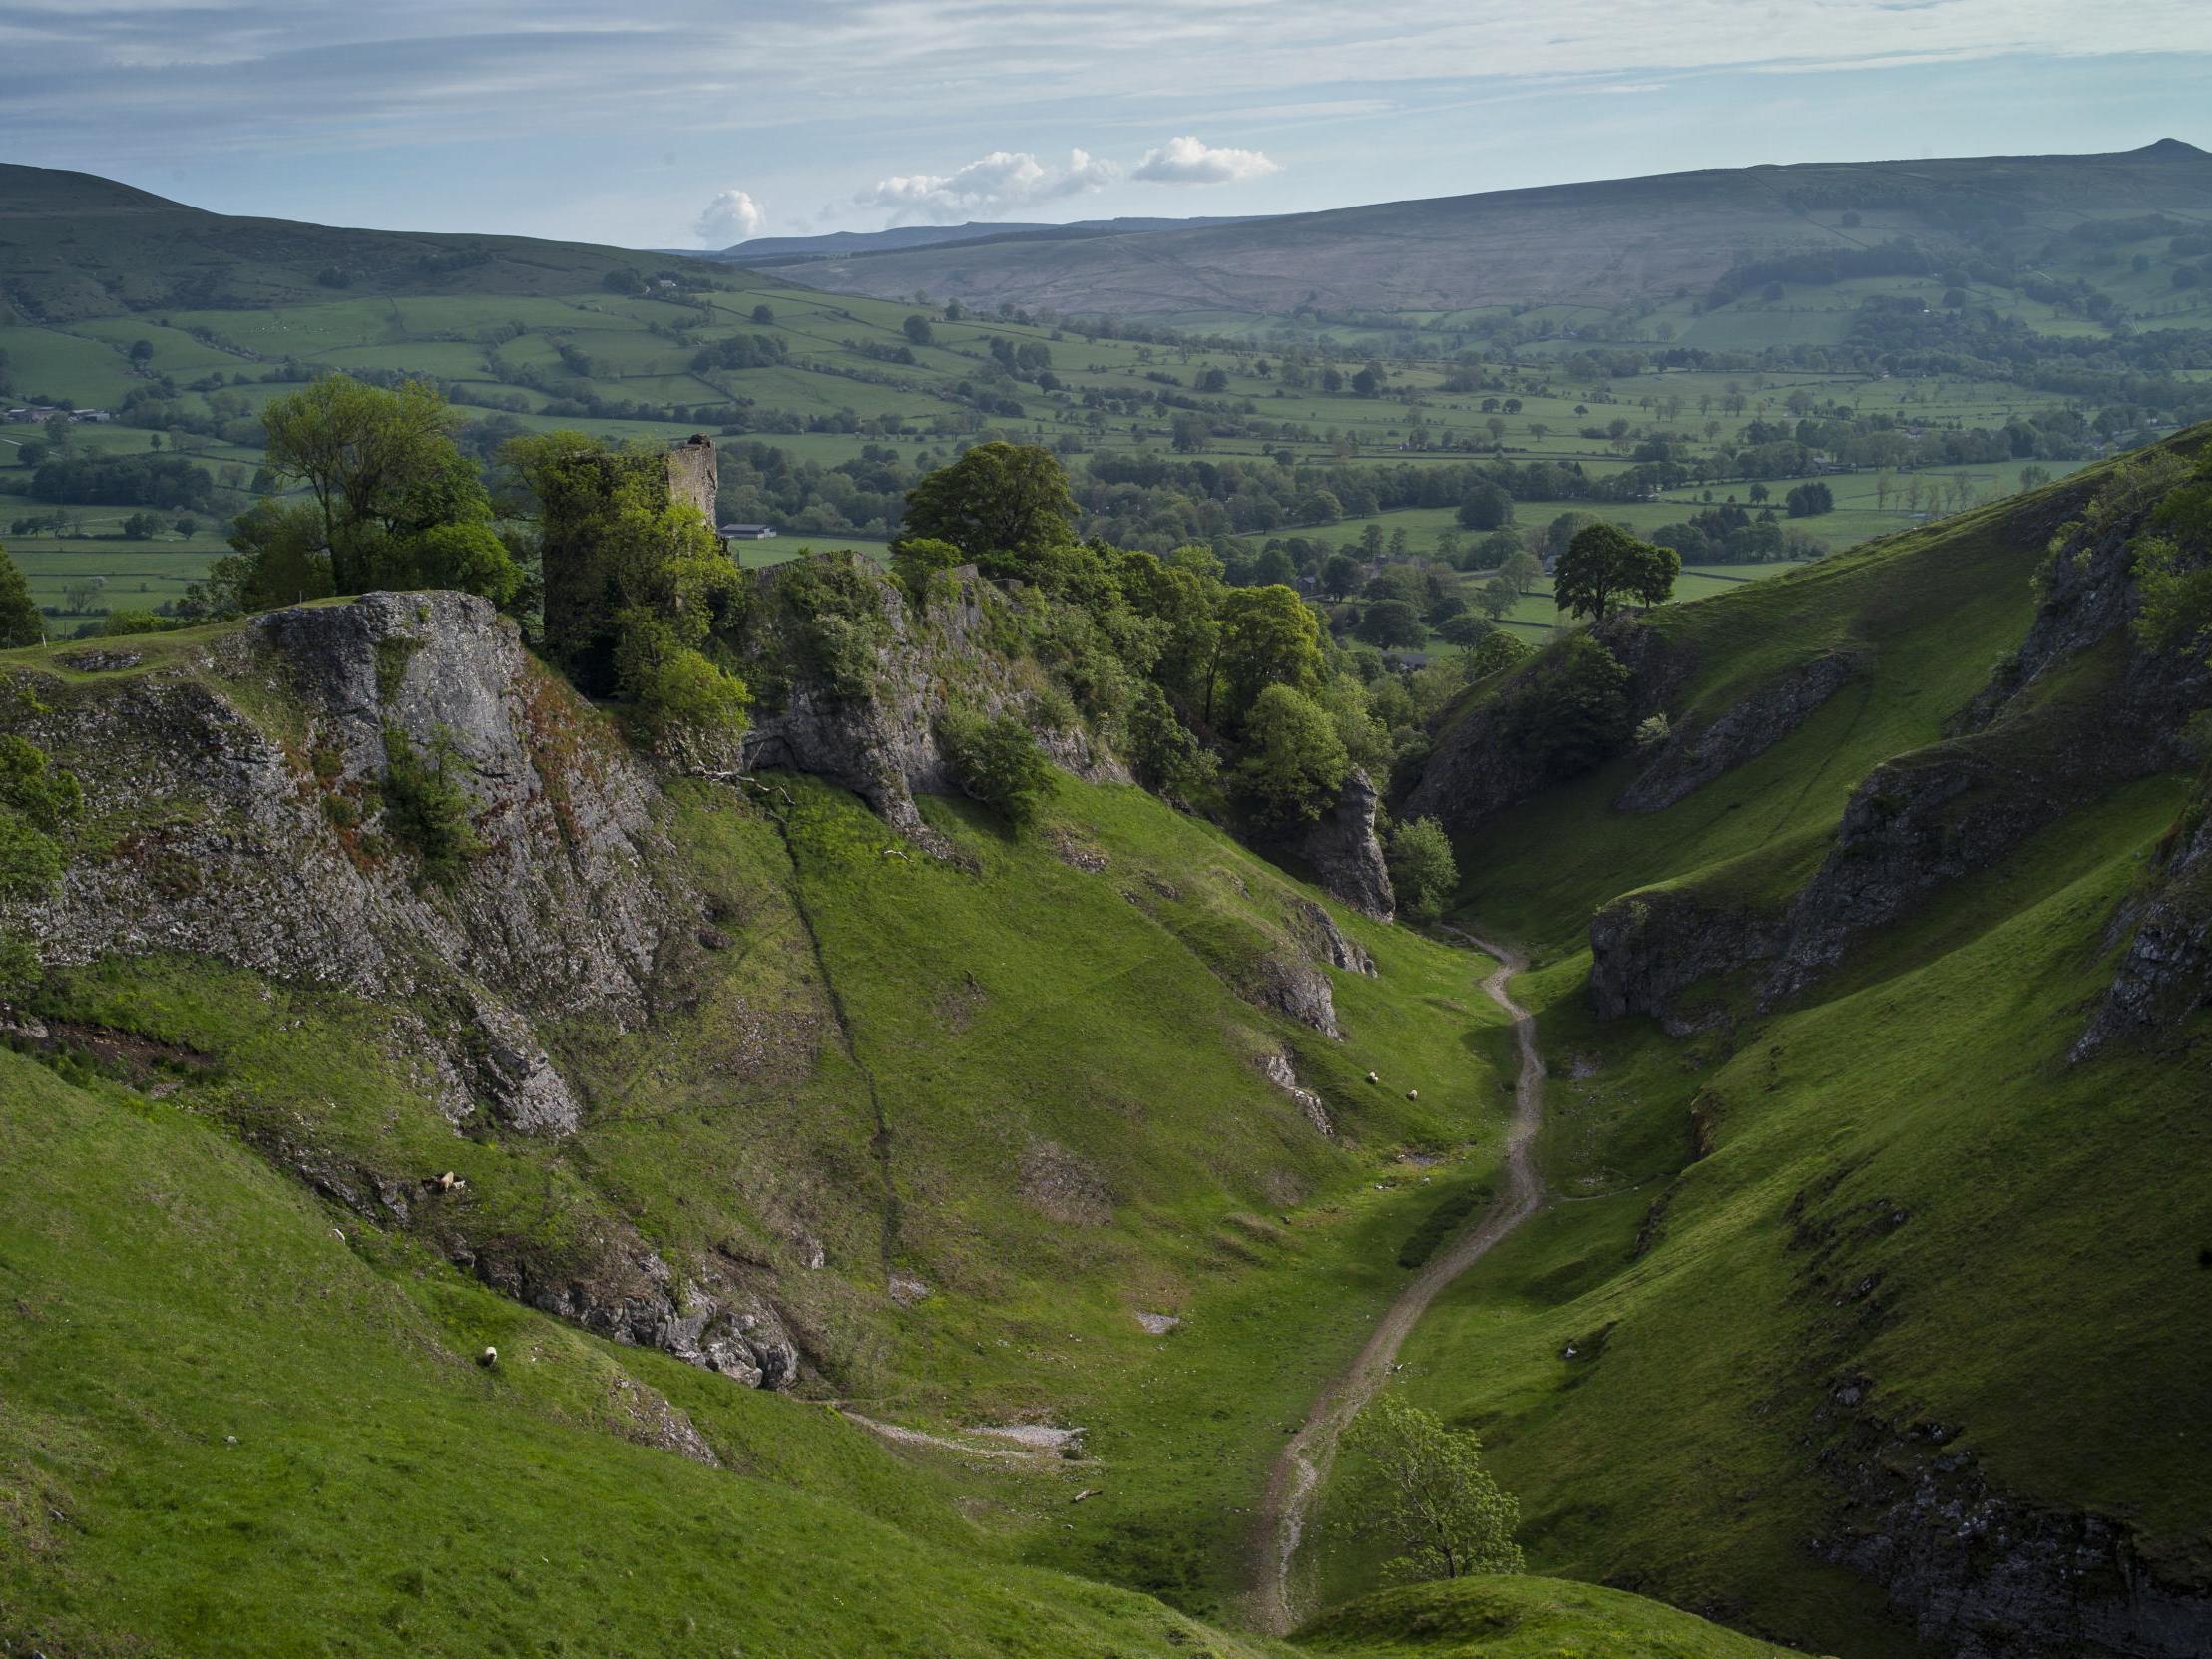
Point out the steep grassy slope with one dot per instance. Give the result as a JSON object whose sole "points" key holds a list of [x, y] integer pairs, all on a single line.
{"points": [[1521, 1618], [232, 1426], [1863, 1286], [1601, 244], [935, 1131], [944, 1126]]}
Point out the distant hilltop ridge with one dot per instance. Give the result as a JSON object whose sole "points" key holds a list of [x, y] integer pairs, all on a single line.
{"points": [[77, 246], [1604, 243], [900, 239]]}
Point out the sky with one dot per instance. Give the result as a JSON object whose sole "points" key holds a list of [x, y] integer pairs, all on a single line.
{"points": [[691, 125]]}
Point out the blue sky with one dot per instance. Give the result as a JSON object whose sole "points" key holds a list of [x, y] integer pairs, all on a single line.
{"points": [[700, 124]]}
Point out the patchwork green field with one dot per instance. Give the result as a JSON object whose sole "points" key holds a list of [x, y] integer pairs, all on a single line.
{"points": [[827, 406]]}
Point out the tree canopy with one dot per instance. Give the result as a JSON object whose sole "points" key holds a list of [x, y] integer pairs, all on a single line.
{"points": [[395, 504], [1603, 565], [1270, 636], [1294, 763], [1430, 1499], [1423, 871], [20, 622], [1005, 506]]}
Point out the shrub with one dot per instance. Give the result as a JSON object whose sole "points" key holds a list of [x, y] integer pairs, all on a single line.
{"points": [[426, 807], [1422, 868], [1570, 712], [470, 558], [916, 559], [996, 763]]}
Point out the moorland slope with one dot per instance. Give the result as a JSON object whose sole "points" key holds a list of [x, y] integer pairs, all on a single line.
{"points": [[1605, 243]]}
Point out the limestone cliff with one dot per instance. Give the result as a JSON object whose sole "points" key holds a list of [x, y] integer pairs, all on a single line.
{"points": [[242, 797], [853, 678]]}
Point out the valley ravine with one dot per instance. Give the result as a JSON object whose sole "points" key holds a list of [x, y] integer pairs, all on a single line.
{"points": [[1299, 1473]]}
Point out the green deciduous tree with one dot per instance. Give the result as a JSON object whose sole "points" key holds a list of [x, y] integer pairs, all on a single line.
{"points": [[915, 559], [1430, 1499], [359, 450], [1295, 763], [1168, 758], [1486, 506], [1465, 629], [1604, 566], [1422, 868], [1571, 710], [1268, 637], [1495, 653], [1340, 574], [20, 622], [278, 557], [1391, 624], [1005, 506]]}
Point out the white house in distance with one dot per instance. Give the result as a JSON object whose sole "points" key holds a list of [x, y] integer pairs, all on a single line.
{"points": [[748, 532]]}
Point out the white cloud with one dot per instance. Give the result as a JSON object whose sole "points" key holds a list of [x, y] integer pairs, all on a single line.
{"points": [[732, 217], [987, 188], [1189, 161]]}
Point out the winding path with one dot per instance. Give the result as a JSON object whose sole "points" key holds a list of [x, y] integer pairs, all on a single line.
{"points": [[1304, 1464]]}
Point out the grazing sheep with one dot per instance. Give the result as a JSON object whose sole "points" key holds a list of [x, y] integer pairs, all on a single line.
{"points": [[488, 1357], [1373, 1077], [1412, 1095]]}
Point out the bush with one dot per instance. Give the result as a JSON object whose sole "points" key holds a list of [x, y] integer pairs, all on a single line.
{"points": [[426, 807], [1422, 868], [996, 763], [1166, 757], [470, 558], [1571, 713], [915, 559]]}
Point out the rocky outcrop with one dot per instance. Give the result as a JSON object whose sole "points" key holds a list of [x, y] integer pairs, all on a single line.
{"points": [[1984, 1576], [1648, 948], [1290, 984], [2165, 967], [1698, 751], [1277, 1070], [629, 1294], [1327, 941], [2081, 710], [245, 804], [1344, 854], [853, 681], [1477, 769]]}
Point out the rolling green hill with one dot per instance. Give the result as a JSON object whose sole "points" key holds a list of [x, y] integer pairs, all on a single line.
{"points": [[1605, 244], [1248, 432], [436, 1111], [365, 1216], [75, 246], [1875, 1249]]}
